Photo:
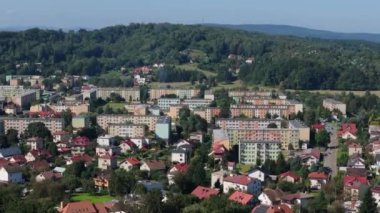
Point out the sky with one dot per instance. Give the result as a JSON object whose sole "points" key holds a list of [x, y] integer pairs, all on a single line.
{"points": [[333, 15]]}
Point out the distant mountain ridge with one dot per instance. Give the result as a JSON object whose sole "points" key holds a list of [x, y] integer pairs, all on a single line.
{"points": [[301, 32]]}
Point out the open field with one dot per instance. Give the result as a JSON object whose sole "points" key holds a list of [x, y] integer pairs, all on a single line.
{"points": [[92, 198], [195, 67]]}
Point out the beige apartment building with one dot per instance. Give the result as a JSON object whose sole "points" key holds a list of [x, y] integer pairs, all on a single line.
{"points": [[303, 129], [105, 119], [251, 151], [21, 124], [76, 108], [207, 113], [245, 123], [18, 95], [260, 111], [126, 130], [180, 93], [126, 93], [332, 104]]}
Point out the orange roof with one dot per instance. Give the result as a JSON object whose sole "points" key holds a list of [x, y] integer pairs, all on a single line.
{"points": [[238, 179], [318, 175], [290, 174], [203, 192], [83, 207], [241, 197]]}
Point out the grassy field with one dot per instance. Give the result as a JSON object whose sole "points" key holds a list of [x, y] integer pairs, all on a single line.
{"points": [[195, 67], [92, 198], [114, 106], [338, 92]]}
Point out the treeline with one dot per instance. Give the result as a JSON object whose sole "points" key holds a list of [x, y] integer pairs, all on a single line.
{"points": [[290, 62], [172, 74]]}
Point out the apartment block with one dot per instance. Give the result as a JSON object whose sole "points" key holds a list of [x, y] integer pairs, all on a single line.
{"points": [[18, 95], [126, 130], [196, 103], [289, 138], [303, 129], [21, 124], [260, 111], [105, 119], [18, 80], [81, 121], [126, 93], [75, 107], [251, 151], [180, 93], [163, 128], [137, 109], [165, 103], [207, 113], [245, 123], [332, 104]]}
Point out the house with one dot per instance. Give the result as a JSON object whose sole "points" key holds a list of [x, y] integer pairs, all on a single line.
{"points": [[35, 143], [317, 179], [9, 152], [107, 150], [355, 161], [258, 174], [218, 151], [179, 156], [102, 180], [107, 162], [348, 131], [357, 172], [185, 145], [153, 166], [376, 193], [241, 198], [19, 159], [37, 154], [127, 145], [318, 127], [39, 165], [202, 192], [79, 145], [105, 140], [311, 157], [299, 199], [354, 148], [270, 196], [47, 175], [130, 163], [177, 168], [352, 185], [282, 208], [83, 207], [241, 183], [140, 142], [11, 174], [61, 136], [289, 176], [76, 158], [59, 170]]}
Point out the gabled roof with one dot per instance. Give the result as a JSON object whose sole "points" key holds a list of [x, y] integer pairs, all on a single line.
{"points": [[282, 208], [181, 167], [40, 165], [202, 192], [81, 141], [48, 175], [129, 143], [240, 197], [347, 128], [133, 161], [239, 179], [318, 176], [10, 151], [155, 165], [12, 168], [290, 174], [354, 182], [273, 194], [318, 126], [83, 207], [357, 172], [19, 158], [85, 158]]}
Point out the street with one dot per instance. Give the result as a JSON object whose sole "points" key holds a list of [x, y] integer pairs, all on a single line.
{"points": [[330, 159]]}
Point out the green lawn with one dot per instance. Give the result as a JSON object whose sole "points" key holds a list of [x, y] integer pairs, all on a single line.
{"points": [[195, 67], [92, 198]]}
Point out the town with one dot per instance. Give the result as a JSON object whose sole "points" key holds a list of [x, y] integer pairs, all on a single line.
{"points": [[74, 146]]}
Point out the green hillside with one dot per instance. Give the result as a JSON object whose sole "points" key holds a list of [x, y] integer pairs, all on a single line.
{"points": [[290, 62]]}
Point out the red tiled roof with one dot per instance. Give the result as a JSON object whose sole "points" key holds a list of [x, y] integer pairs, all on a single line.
{"points": [[354, 181], [19, 159], [290, 174], [182, 167], [318, 175], [83, 207], [81, 141], [133, 161], [85, 158], [348, 127], [241, 197], [204, 192], [129, 143], [238, 179], [318, 126], [3, 162], [155, 165]]}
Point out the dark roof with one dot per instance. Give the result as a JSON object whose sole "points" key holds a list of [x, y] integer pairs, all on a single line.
{"points": [[10, 151], [12, 168]]}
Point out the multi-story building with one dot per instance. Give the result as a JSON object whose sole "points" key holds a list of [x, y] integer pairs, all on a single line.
{"points": [[75, 107], [196, 103], [80, 121], [105, 119], [163, 128], [303, 129], [19, 96], [245, 123], [207, 113], [332, 104], [165, 103], [180, 93], [137, 109], [21, 124], [126, 130], [251, 151], [35, 81], [88, 92], [174, 110], [241, 183], [289, 138], [129, 94], [261, 111]]}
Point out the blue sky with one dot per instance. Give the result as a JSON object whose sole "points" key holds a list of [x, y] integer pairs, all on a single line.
{"points": [[334, 15]]}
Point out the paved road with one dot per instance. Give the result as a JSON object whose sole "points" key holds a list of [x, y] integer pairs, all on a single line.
{"points": [[330, 159]]}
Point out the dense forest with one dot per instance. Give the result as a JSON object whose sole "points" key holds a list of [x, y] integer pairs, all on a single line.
{"points": [[290, 62]]}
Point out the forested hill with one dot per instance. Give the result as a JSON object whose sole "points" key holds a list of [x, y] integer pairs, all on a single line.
{"points": [[288, 61]]}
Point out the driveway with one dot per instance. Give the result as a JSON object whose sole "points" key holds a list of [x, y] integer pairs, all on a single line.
{"points": [[330, 159]]}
